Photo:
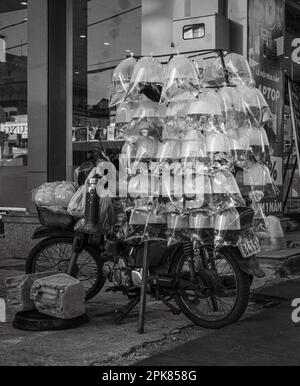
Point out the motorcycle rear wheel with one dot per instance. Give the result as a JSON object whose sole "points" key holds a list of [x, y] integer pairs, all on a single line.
{"points": [[232, 301], [54, 253]]}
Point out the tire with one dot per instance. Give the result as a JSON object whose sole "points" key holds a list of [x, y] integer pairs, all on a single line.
{"points": [[242, 283], [34, 259]]}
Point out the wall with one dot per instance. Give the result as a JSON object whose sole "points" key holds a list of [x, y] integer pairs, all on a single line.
{"points": [[237, 13], [157, 26], [157, 18]]}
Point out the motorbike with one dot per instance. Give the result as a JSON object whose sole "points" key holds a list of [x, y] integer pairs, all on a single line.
{"points": [[210, 284]]}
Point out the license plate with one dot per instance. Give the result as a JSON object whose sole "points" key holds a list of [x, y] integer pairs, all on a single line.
{"points": [[248, 244]]}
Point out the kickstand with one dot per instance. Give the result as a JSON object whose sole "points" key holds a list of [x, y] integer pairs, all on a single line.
{"points": [[175, 310], [121, 313], [143, 297]]}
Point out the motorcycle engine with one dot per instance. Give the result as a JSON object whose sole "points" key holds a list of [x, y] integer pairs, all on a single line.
{"points": [[120, 275]]}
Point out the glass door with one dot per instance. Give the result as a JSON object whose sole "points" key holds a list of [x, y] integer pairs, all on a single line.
{"points": [[13, 103], [104, 33]]}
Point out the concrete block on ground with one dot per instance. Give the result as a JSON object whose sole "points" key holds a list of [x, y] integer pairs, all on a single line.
{"points": [[60, 296], [18, 290]]}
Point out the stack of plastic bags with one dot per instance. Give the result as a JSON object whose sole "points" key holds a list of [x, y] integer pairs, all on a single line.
{"points": [[195, 148]]}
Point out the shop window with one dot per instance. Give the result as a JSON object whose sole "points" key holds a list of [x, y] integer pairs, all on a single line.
{"points": [[13, 103], [104, 33]]}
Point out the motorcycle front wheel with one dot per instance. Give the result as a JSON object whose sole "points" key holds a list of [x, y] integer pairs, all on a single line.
{"points": [[54, 254], [212, 291]]}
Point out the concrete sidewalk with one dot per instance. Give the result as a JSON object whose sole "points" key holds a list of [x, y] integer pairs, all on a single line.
{"points": [[269, 338], [101, 342]]}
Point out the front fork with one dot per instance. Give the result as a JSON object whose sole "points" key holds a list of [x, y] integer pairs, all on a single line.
{"points": [[77, 248]]}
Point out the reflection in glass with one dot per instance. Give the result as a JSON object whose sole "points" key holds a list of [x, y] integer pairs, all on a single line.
{"points": [[13, 104], [105, 33]]}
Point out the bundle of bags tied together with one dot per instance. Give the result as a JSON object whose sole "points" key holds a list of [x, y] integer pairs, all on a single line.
{"points": [[209, 121]]}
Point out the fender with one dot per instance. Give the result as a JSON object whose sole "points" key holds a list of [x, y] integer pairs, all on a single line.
{"points": [[43, 232], [249, 265]]}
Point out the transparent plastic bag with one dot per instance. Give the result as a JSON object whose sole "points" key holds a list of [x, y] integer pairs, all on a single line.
{"points": [[176, 122], [257, 178], [276, 239], [144, 189], [226, 193], [76, 207], [218, 148], [64, 192], [206, 113], [210, 72], [233, 109], [201, 200], [149, 225], [259, 145], [54, 194], [148, 120], [121, 80], [178, 228], [240, 146], [176, 118], [169, 150], [268, 230], [125, 112], [239, 70], [143, 135], [202, 226], [256, 106], [45, 194], [193, 145], [146, 148], [227, 227], [260, 225], [180, 80], [147, 81]]}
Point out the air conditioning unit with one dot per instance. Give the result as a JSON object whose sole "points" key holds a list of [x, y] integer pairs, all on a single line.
{"points": [[201, 33], [191, 8]]}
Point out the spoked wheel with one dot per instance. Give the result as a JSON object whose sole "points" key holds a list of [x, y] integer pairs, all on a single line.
{"points": [[212, 291], [54, 254]]}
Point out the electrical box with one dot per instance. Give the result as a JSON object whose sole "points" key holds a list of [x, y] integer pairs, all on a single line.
{"points": [[192, 8], [201, 33]]}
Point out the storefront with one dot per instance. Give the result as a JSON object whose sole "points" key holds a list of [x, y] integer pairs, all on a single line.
{"points": [[57, 59]]}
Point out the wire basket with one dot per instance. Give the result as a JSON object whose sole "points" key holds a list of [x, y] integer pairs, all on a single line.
{"points": [[50, 218]]}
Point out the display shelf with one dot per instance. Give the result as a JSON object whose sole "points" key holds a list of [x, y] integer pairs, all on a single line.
{"points": [[85, 146]]}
